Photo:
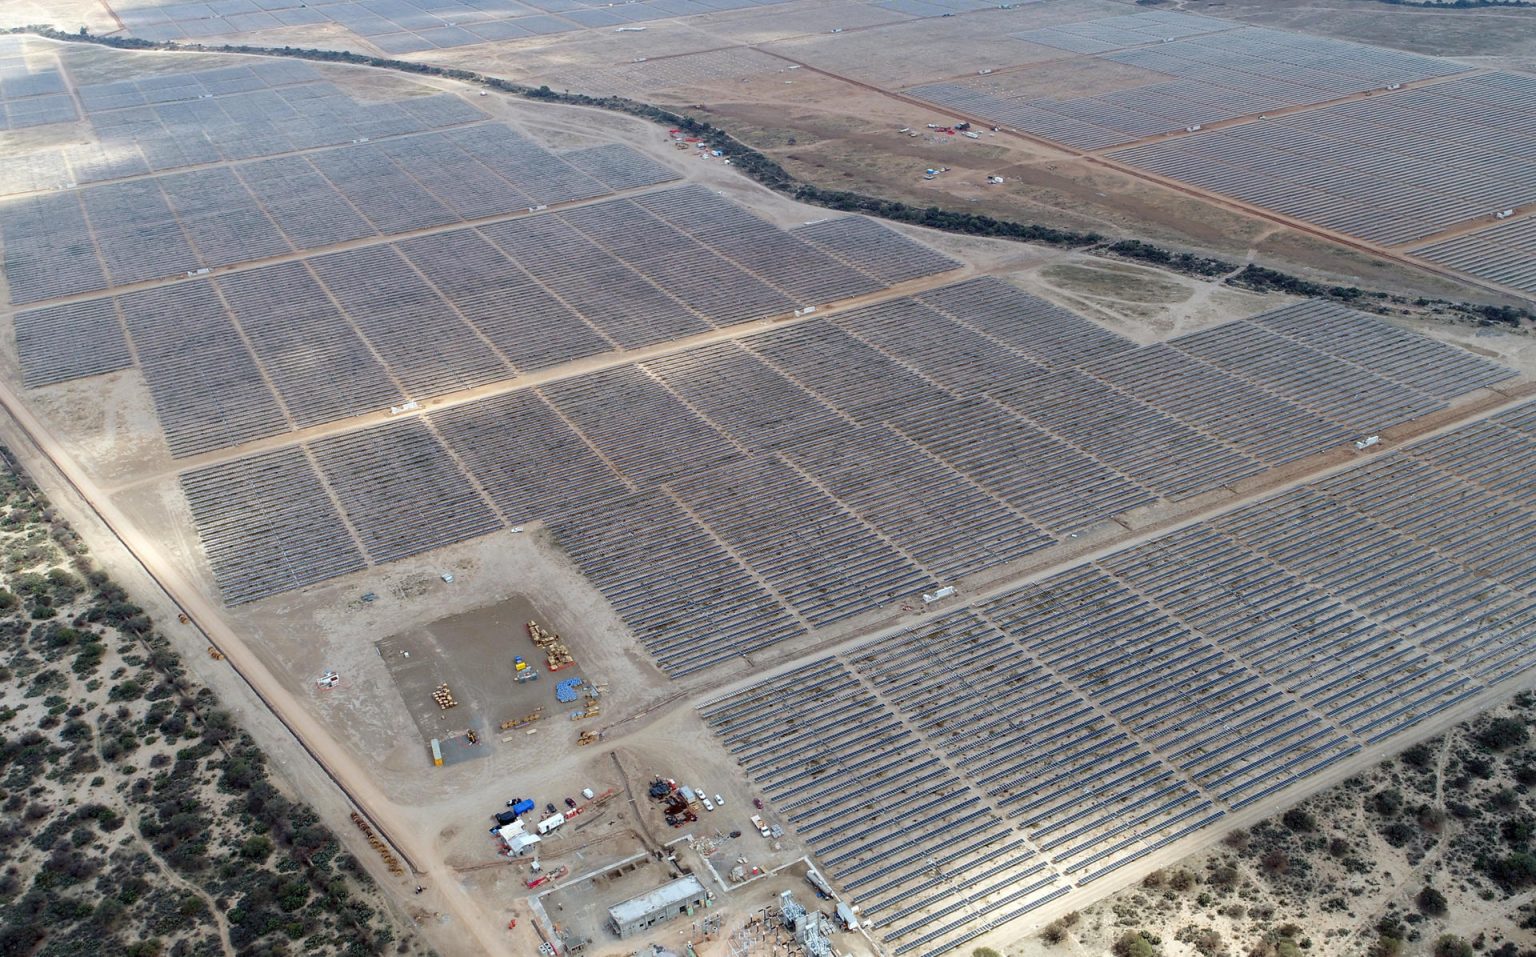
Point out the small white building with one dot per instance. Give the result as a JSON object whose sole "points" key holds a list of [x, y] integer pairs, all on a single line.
{"points": [[519, 843]]}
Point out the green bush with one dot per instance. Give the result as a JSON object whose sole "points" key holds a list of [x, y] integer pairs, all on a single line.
{"points": [[1501, 734], [1136, 944], [1449, 945], [1431, 902]]}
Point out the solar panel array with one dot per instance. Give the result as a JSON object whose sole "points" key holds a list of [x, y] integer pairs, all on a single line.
{"points": [[404, 26], [1394, 168], [33, 91], [743, 493], [1068, 728], [1117, 33], [1194, 70], [1505, 253], [347, 332], [176, 223]]}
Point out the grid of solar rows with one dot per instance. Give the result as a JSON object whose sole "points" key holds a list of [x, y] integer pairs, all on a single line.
{"points": [[1087, 794], [851, 778], [1505, 253], [161, 121], [760, 408], [175, 223], [354, 189], [802, 270], [530, 463], [33, 92], [1479, 627], [883, 253], [405, 26], [1000, 476], [63, 342], [1357, 674], [1106, 801], [207, 388], [1488, 534], [1255, 421], [1394, 168], [821, 559], [1057, 486], [1334, 387], [946, 523], [319, 363], [1117, 33], [957, 356], [1110, 711], [1160, 452], [963, 483], [691, 603], [933, 8], [711, 285], [1407, 358], [401, 491], [268, 525], [347, 332], [1423, 541], [1207, 72]]}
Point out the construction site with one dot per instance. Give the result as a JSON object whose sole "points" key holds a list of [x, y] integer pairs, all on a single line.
{"points": [[662, 566]]}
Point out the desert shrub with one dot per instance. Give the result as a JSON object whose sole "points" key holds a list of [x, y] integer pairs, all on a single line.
{"points": [[1136, 944], [1421, 756], [1431, 902], [1298, 821], [1398, 834], [1512, 871], [1449, 945], [1386, 803], [1501, 734]]}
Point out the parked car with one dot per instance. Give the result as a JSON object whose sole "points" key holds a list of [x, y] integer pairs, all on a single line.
{"points": [[550, 808], [757, 803], [570, 802], [503, 818], [720, 800], [708, 804]]}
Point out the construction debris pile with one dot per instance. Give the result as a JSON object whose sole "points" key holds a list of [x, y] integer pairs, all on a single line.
{"points": [[444, 697], [556, 654]]}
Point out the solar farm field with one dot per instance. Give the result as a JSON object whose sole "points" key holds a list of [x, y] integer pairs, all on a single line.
{"points": [[1067, 729], [1380, 145], [401, 27], [870, 520], [817, 473]]}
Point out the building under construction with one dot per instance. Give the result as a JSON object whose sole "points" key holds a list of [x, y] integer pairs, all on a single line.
{"points": [[641, 913]]}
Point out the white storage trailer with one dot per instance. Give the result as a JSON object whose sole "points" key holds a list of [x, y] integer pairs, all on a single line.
{"points": [[550, 823]]}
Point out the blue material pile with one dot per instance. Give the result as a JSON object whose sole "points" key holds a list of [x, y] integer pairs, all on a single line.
{"points": [[565, 691]]}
